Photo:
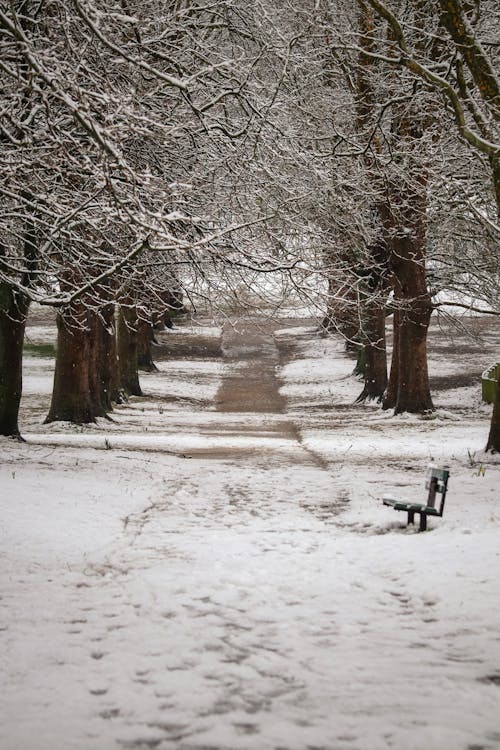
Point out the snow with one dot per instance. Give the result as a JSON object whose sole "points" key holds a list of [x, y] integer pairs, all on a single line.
{"points": [[207, 330], [187, 578], [198, 380], [174, 442]]}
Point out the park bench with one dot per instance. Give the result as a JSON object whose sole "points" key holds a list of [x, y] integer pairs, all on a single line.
{"points": [[437, 483]]}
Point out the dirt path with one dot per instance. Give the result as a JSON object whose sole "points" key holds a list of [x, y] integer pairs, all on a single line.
{"points": [[249, 408], [252, 384], [250, 394]]}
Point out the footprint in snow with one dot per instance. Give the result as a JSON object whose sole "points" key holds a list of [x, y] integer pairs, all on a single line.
{"points": [[97, 689]]}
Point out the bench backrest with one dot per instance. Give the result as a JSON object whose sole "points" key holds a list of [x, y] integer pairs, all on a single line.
{"points": [[437, 483]]}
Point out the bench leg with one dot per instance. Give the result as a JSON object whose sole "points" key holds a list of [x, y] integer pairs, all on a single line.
{"points": [[411, 517], [423, 522]]}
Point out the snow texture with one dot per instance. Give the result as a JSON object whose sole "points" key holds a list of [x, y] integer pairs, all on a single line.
{"points": [[186, 577]]}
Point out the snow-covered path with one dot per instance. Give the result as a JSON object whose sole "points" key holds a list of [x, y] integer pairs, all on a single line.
{"points": [[228, 590]]}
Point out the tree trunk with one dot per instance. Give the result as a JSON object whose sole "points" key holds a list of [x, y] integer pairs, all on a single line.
{"points": [[13, 312], [409, 383], [375, 370], [98, 377], [494, 436], [71, 395], [372, 330], [127, 347], [413, 392], [14, 308], [104, 365], [144, 347], [107, 360], [493, 443]]}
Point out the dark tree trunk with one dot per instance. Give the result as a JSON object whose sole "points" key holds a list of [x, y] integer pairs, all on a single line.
{"points": [[409, 384], [375, 370], [372, 330], [494, 436], [14, 308], [493, 443], [13, 312], [360, 368], [116, 393], [145, 340], [106, 357], [71, 395], [413, 392], [98, 386], [111, 335], [127, 347]]}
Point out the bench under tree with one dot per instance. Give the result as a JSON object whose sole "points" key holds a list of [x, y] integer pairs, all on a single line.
{"points": [[437, 484]]}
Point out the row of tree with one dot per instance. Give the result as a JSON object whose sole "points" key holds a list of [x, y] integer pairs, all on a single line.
{"points": [[349, 146], [406, 174], [113, 122], [99, 355]]}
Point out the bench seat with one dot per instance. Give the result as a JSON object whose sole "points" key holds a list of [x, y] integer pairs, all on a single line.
{"points": [[437, 484], [415, 507]]}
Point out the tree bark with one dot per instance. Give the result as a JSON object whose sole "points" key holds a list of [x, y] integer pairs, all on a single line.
{"points": [[408, 388], [98, 375], [13, 312], [145, 340], [106, 357], [14, 308], [412, 393], [127, 347], [375, 369], [493, 443], [71, 395], [372, 329]]}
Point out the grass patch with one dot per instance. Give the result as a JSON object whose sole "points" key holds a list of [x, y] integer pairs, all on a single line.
{"points": [[40, 350]]}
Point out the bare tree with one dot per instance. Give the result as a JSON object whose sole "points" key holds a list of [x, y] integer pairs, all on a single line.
{"points": [[113, 120], [422, 200], [466, 76]]}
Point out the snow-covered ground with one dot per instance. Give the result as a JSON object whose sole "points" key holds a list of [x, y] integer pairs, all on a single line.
{"points": [[190, 576]]}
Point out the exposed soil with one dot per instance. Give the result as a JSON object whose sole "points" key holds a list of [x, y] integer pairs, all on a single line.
{"points": [[447, 382], [250, 388], [169, 346], [253, 385]]}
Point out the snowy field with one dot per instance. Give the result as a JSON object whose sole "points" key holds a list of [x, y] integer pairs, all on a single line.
{"points": [[191, 576]]}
